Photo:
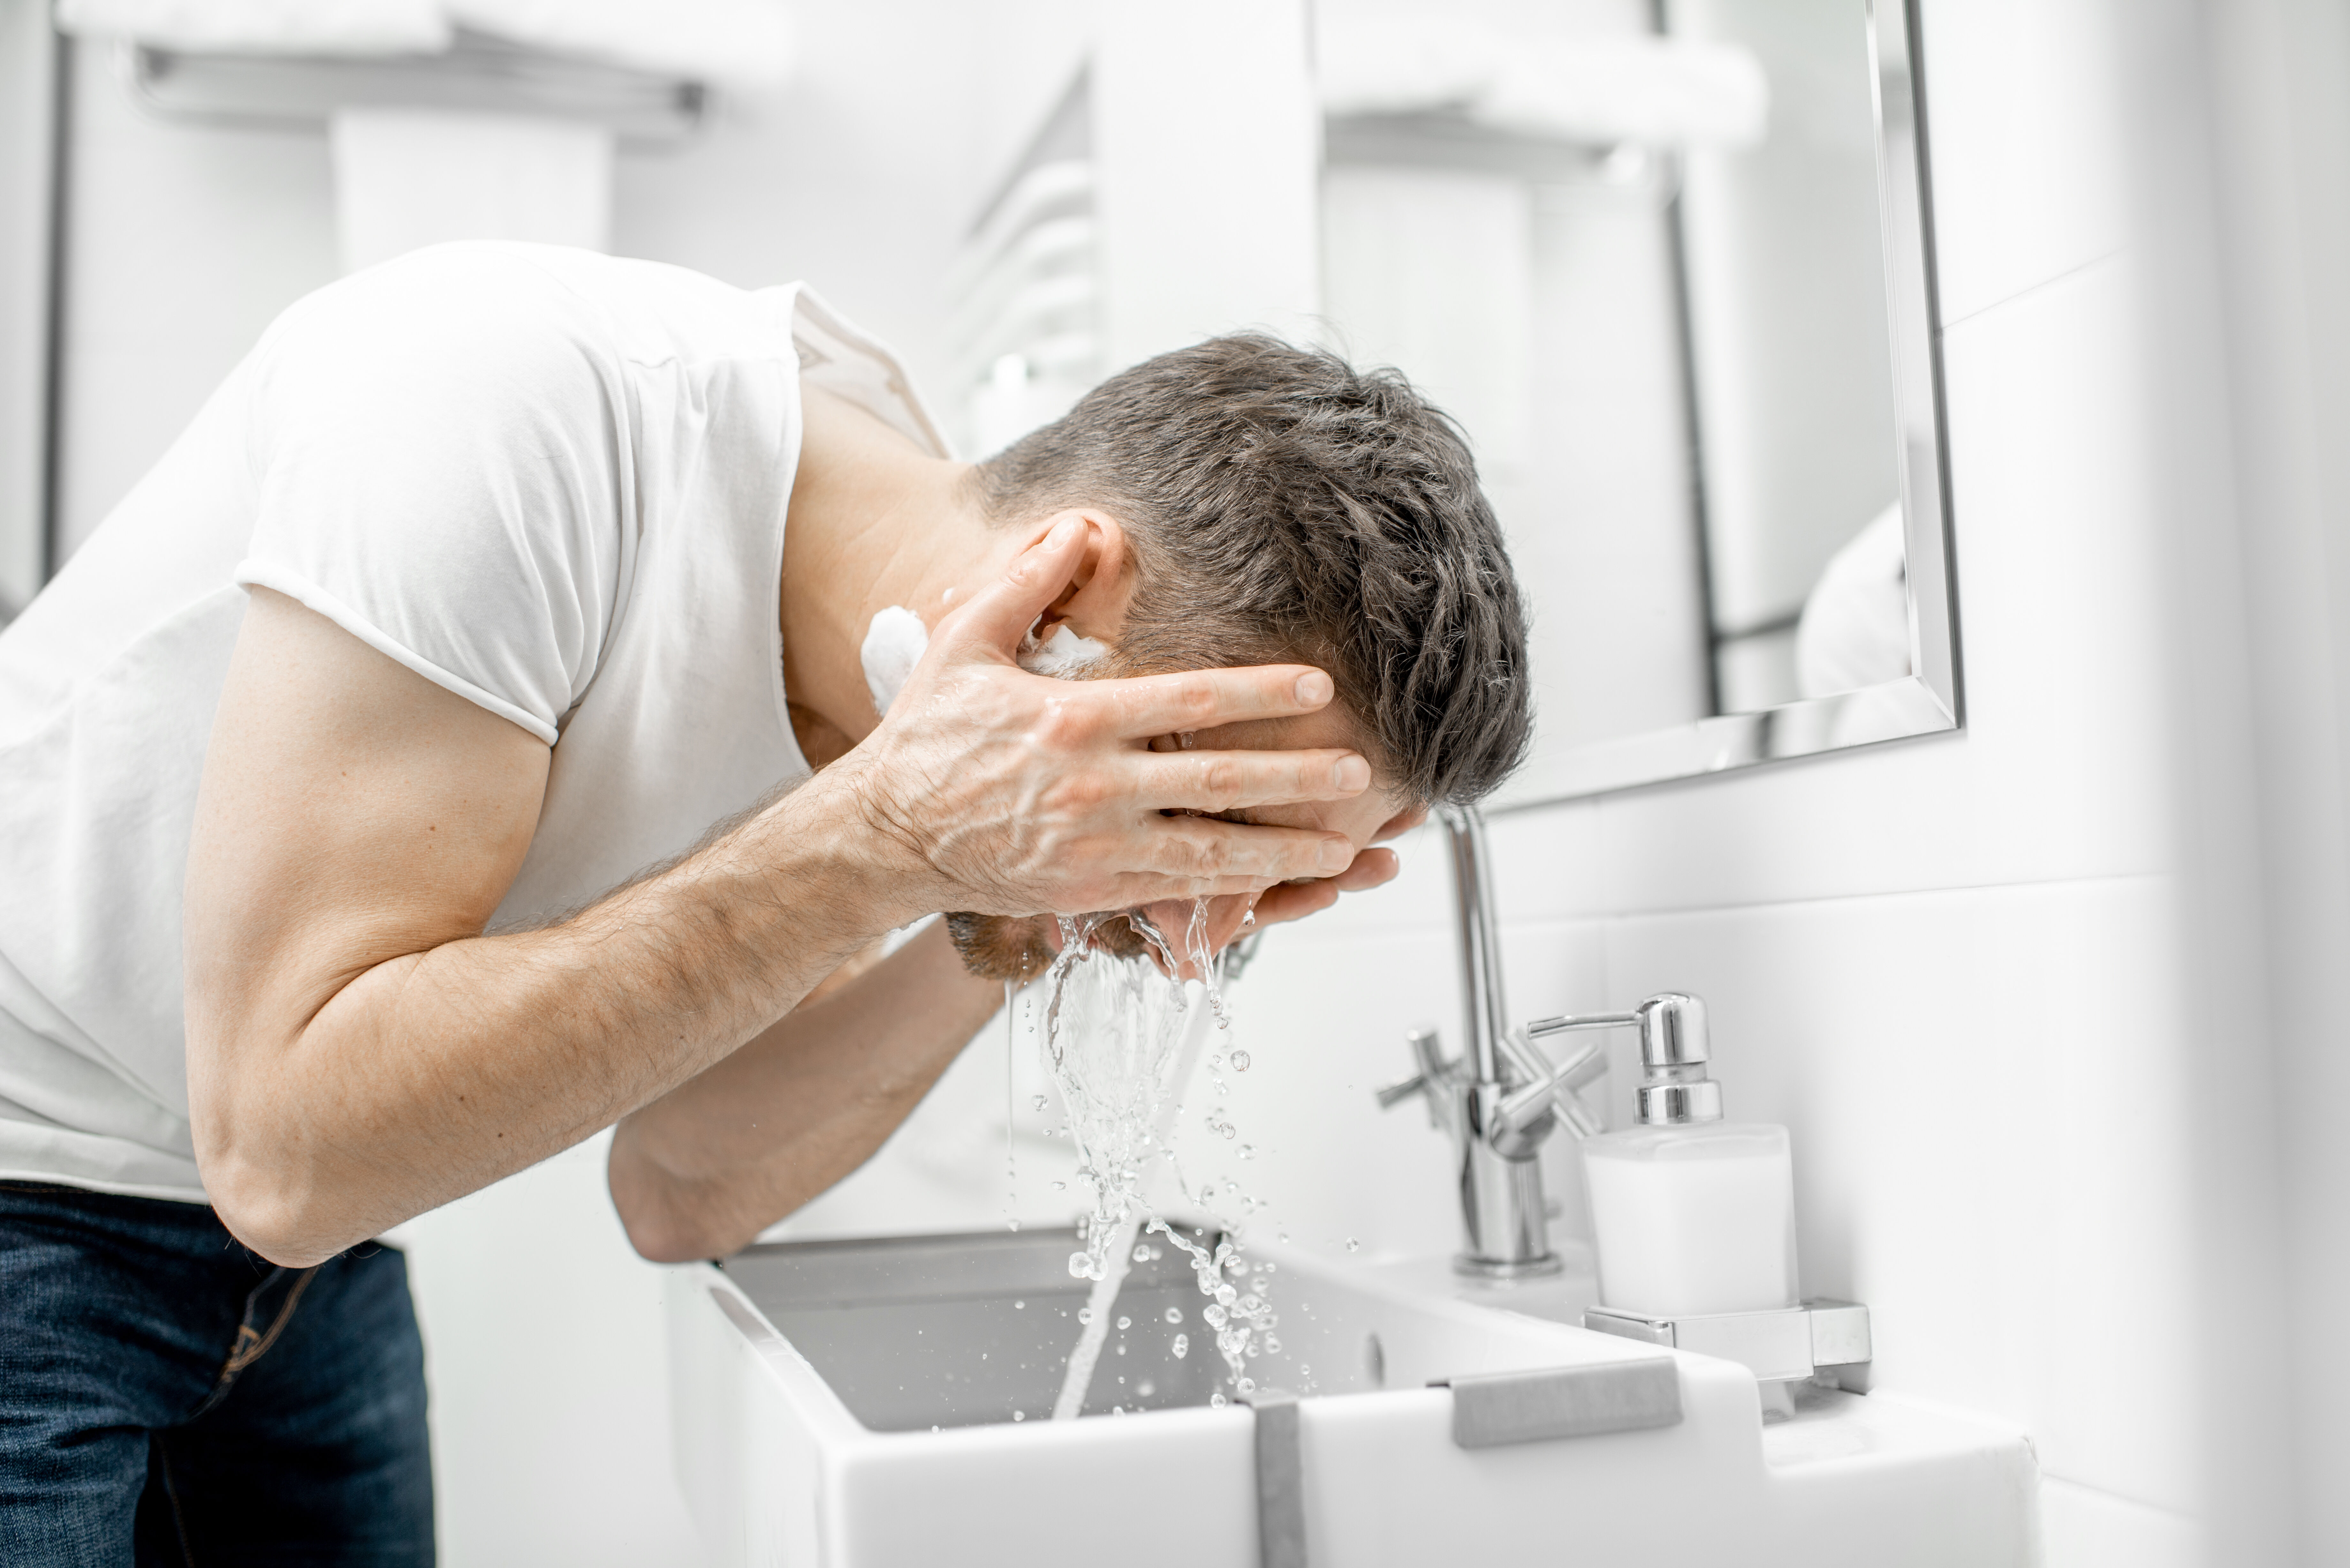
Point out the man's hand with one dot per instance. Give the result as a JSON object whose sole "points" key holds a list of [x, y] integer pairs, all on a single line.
{"points": [[1235, 915], [1016, 794]]}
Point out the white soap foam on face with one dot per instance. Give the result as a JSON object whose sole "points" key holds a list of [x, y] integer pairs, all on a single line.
{"points": [[897, 639], [894, 644], [1065, 655]]}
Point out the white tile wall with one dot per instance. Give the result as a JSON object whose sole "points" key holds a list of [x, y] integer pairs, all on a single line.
{"points": [[2028, 132]]}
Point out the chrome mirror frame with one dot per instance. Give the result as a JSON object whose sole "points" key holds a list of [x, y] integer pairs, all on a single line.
{"points": [[1930, 700]]}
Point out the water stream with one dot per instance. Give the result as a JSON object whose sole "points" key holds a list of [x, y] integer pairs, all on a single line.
{"points": [[1121, 1038]]}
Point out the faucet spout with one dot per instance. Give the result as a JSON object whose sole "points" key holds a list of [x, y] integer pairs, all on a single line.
{"points": [[1482, 1016]]}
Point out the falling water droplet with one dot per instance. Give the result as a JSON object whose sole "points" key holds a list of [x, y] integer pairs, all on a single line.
{"points": [[1174, 1314], [1181, 1347], [1060, 1185], [1240, 1061], [1353, 1245], [1084, 1315], [1124, 1323], [1019, 1415], [1217, 1401], [1248, 1151], [1038, 1101]]}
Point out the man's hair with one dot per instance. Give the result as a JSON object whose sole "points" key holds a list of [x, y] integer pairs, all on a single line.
{"points": [[1283, 507]]}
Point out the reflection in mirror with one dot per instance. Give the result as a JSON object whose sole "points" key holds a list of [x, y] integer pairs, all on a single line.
{"points": [[1641, 252]]}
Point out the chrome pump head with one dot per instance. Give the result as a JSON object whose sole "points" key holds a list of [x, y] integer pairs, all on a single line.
{"points": [[1674, 1053]]}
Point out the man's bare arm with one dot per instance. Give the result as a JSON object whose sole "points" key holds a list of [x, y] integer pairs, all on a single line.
{"points": [[357, 1050], [702, 1170]]}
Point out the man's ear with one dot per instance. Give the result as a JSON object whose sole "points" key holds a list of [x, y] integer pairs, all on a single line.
{"points": [[1093, 601]]}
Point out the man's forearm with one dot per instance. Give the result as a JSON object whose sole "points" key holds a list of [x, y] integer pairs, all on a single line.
{"points": [[706, 1169], [430, 1076]]}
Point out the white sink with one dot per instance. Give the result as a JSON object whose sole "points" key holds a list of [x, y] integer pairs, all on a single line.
{"points": [[851, 1404]]}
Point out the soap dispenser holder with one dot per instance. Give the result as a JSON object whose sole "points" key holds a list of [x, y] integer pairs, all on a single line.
{"points": [[1822, 1340]]}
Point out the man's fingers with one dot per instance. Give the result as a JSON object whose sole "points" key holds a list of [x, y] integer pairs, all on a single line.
{"points": [[1000, 614], [1295, 901], [1148, 705], [1210, 858], [1225, 781], [1372, 868]]}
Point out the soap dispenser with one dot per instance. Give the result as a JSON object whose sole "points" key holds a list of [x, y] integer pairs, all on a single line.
{"points": [[1691, 1214]]}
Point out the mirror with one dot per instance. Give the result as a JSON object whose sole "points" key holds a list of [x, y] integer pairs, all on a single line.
{"points": [[1669, 265]]}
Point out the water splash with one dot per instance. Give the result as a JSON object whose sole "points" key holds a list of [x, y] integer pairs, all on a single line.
{"points": [[1119, 1036], [1113, 1033], [1241, 1317], [1011, 1104]]}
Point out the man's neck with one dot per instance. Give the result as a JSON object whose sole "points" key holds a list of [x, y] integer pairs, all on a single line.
{"points": [[874, 522]]}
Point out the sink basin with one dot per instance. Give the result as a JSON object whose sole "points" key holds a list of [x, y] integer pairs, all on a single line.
{"points": [[853, 1403]]}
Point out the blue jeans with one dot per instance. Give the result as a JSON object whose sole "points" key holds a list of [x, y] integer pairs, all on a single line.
{"points": [[167, 1397]]}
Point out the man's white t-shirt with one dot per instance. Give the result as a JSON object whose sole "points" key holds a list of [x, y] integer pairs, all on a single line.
{"points": [[551, 481]]}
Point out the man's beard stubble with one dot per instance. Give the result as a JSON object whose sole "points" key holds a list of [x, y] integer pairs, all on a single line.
{"points": [[1013, 948]]}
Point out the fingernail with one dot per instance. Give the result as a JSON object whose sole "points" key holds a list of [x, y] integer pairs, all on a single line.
{"points": [[1314, 688], [1336, 854], [1354, 774]]}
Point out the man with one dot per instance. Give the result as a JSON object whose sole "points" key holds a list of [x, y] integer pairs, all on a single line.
{"points": [[412, 777]]}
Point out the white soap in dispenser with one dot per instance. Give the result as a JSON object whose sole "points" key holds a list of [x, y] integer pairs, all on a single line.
{"points": [[1690, 1214]]}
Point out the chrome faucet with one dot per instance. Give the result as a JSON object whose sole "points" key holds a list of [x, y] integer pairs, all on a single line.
{"points": [[1501, 1097]]}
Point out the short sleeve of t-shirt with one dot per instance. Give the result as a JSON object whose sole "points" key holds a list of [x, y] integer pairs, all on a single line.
{"points": [[441, 463]]}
